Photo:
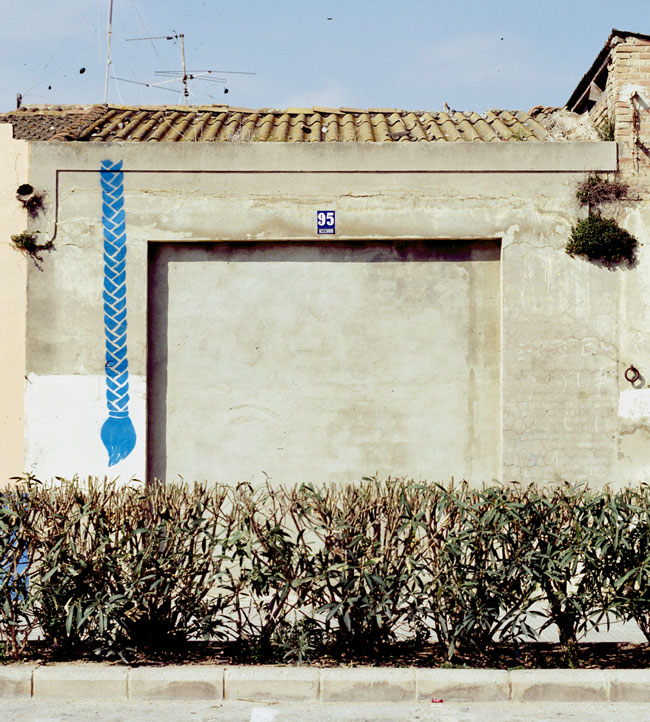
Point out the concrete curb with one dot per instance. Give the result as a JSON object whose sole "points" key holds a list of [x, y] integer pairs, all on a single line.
{"points": [[311, 684]]}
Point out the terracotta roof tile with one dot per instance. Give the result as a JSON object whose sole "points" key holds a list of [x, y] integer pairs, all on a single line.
{"points": [[380, 127], [296, 125], [364, 129], [413, 125], [448, 127], [221, 123], [327, 111], [200, 122], [281, 129], [213, 128], [347, 128], [314, 125], [430, 125], [496, 123], [265, 127], [45, 122], [482, 128], [91, 130], [331, 128], [247, 128]]}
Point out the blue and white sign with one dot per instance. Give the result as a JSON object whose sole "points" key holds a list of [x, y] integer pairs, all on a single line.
{"points": [[326, 222]]}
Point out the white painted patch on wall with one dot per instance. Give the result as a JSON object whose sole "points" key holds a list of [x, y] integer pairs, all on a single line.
{"points": [[634, 404], [263, 714], [63, 419], [629, 91]]}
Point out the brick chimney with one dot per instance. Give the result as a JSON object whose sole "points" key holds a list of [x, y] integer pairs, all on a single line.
{"points": [[616, 93]]}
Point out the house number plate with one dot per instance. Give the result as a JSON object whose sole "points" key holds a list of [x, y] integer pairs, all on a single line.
{"points": [[326, 222]]}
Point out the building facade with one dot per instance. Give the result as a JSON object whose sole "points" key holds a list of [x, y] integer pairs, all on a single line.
{"points": [[321, 294]]}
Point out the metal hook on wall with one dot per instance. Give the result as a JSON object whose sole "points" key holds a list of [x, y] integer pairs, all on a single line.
{"points": [[632, 374]]}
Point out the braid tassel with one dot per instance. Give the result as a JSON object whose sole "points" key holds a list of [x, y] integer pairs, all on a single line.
{"points": [[118, 434]]}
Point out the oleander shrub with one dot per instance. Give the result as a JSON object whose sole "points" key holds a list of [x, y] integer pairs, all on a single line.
{"points": [[166, 566], [568, 536], [627, 555], [367, 543], [269, 569], [17, 619], [480, 591], [119, 570], [288, 574]]}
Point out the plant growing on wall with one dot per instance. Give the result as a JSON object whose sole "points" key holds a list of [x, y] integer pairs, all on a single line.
{"points": [[595, 190], [595, 237], [606, 129], [601, 239], [26, 243]]}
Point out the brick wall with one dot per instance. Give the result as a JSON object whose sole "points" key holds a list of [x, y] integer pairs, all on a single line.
{"points": [[628, 103]]}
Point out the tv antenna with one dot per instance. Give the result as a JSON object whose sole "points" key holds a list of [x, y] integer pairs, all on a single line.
{"points": [[184, 75], [108, 51]]}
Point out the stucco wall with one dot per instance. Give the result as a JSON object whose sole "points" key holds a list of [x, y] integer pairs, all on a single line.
{"points": [[564, 335], [311, 361], [12, 305]]}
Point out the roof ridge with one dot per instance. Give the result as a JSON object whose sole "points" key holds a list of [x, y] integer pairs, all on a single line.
{"points": [[224, 123]]}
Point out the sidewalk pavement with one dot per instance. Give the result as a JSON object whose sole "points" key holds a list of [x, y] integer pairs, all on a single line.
{"points": [[87, 682], [32, 710]]}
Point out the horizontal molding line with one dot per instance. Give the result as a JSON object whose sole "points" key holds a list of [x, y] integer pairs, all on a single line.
{"points": [[421, 171], [342, 170]]}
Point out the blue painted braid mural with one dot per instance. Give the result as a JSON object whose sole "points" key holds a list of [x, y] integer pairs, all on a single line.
{"points": [[118, 434]]}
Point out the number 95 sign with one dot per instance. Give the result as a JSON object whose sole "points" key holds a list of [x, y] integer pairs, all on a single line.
{"points": [[325, 222]]}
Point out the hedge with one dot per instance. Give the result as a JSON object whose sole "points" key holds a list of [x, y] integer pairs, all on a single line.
{"points": [[126, 570]]}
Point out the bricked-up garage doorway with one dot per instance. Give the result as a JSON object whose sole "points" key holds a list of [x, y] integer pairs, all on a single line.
{"points": [[310, 362]]}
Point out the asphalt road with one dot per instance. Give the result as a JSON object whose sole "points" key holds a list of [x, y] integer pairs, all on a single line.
{"points": [[42, 711]]}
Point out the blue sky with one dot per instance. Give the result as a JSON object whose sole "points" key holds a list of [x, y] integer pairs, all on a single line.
{"points": [[414, 54]]}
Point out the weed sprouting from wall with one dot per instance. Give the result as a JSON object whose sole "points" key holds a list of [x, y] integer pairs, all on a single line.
{"points": [[26, 242], [595, 190], [597, 238], [606, 129], [601, 239]]}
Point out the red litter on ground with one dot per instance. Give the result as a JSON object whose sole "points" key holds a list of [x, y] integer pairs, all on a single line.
{"points": [[437, 701]]}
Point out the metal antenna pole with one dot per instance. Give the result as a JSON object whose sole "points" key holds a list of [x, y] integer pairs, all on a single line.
{"points": [[173, 76], [108, 52], [186, 92]]}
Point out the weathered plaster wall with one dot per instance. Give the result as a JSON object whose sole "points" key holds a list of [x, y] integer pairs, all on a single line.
{"points": [[12, 304], [633, 343], [311, 361], [561, 329], [626, 102]]}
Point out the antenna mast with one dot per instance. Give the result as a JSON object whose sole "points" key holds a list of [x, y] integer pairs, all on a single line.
{"points": [[186, 92], [108, 52], [173, 76]]}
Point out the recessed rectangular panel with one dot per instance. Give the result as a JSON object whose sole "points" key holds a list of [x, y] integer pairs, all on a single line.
{"points": [[312, 362]]}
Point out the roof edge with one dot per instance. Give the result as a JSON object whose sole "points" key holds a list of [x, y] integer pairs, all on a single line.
{"points": [[598, 62]]}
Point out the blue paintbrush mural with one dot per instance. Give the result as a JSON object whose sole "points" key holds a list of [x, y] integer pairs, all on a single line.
{"points": [[118, 434]]}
